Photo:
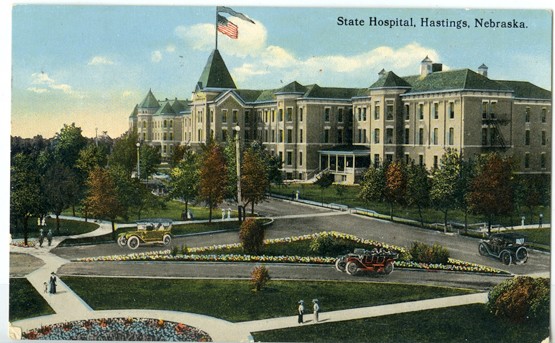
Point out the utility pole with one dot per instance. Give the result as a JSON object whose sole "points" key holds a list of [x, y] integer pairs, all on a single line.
{"points": [[238, 162]]}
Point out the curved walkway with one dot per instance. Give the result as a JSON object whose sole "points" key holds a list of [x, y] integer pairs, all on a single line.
{"points": [[69, 306]]}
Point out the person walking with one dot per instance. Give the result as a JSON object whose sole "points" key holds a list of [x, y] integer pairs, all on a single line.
{"points": [[46, 287], [300, 311], [52, 283], [316, 308], [541, 221], [49, 237], [41, 237]]}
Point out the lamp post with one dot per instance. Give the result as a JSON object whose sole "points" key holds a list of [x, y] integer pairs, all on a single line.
{"points": [[138, 161], [238, 162]]}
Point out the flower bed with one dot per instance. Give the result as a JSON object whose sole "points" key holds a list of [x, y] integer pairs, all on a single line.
{"points": [[21, 243], [119, 329], [195, 254]]}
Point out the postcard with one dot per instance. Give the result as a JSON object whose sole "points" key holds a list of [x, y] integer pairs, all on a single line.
{"points": [[279, 173]]}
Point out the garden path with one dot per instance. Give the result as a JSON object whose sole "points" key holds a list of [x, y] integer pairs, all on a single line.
{"points": [[69, 306]]}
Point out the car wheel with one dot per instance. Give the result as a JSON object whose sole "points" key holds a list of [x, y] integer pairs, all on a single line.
{"points": [[521, 255], [389, 266], [506, 257], [483, 249], [133, 242], [167, 239], [122, 241], [352, 268], [340, 265]]}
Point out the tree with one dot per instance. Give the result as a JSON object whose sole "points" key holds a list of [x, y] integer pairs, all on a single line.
{"points": [[230, 154], [372, 187], [491, 190], [418, 188], [260, 276], [251, 235], [444, 183], [149, 160], [124, 152], [395, 184], [89, 158], [325, 180], [178, 154], [68, 143], [102, 198], [184, 178], [213, 177], [532, 190], [466, 174], [254, 178], [272, 162], [61, 188]]}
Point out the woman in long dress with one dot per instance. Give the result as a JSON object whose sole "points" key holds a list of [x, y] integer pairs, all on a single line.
{"points": [[52, 283]]}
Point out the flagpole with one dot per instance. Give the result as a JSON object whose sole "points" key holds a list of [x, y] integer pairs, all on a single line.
{"points": [[216, 28]]}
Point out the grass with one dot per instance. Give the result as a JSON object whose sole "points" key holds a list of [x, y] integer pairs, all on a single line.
{"points": [[234, 300], [67, 228], [469, 323], [348, 195], [25, 301]]}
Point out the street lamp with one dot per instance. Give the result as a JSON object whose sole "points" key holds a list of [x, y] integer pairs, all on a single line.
{"points": [[138, 161], [238, 162]]}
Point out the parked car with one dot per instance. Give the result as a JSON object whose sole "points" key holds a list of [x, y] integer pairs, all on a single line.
{"points": [[508, 247], [375, 260], [151, 231]]}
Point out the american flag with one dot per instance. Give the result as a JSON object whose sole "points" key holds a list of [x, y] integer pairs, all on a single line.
{"points": [[227, 28]]}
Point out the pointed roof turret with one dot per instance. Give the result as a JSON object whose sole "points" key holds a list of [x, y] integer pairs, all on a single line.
{"points": [[135, 111], [215, 73], [149, 101], [390, 80]]}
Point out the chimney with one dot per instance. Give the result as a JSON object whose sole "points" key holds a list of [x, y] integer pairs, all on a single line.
{"points": [[483, 70], [382, 73], [437, 67], [425, 67]]}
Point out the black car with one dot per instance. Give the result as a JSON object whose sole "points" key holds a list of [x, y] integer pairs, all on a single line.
{"points": [[507, 247]]}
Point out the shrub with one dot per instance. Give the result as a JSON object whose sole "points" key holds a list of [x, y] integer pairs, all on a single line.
{"points": [[322, 245], [260, 276], [184, 249], [424, 253], [520, 299], [251, 235], [174, 250]]}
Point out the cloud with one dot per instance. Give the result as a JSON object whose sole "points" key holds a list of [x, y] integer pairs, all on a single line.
{"points": [[251, 40], [170, 48], [156, 56], [127, 94], [42, 78], [100, 60], [37, 90]]}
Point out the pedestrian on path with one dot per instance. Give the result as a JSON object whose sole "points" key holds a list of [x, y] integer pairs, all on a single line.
{"points": [[316, 309], [52, 283], [541, 220], [46, 287], [300, 311], [41, 237], [49, 237]]}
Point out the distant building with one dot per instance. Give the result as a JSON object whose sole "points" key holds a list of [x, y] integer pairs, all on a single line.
{"points": [[344, 130]]}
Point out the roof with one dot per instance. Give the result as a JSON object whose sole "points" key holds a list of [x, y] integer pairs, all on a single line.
{"points": [[525, 89], [462, 79], [149, 101], [215, 73], [390, 80], [165, 110], [135, 111]]}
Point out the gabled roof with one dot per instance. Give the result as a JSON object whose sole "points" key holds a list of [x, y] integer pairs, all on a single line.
{"points": [[293, 87], [149, 101], [179, 105], [166, 109], [390, 80], [463, 79], [315, 91], [215, 73], [526, 90]]}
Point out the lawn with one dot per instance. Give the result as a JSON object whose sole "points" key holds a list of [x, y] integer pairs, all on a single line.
{"points": [[67, 228], [25, 301], [348, 195], [470, 323], [234, 300]]}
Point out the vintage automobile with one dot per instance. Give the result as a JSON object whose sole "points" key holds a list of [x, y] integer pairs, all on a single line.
{"points": [[375, 260], [508, 247], [151, 231]]}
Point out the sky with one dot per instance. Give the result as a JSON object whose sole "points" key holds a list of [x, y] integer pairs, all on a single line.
{"points": [[90, 64]]}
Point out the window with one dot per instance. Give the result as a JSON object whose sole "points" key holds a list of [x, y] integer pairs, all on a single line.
{"points": [[280, 115], [300, 135], [165, 123], [484, 136], [171, 124], [247, 136], [527, 137], [389, 158], [359, 135], [493, 109], [144, 124], [406, 136], [340, 136], [435, 140], [526, 160], [327, 114], [199, 135], [359, 111], [451, 110], [435, 110], [364, 114], [340, 115], [266, 117], [273, 136], [542, 160], [376, 160], [377, 111], [544, 138], [300, 158], [389, 136], [280, 138], [544, 115], [389, 111], [289, 114], [171, 136], [421, 136], [407, 159], [224, 116], [280, 155], [364, 138], [289, 158], [527, 115], [289, 136], [326, 135], [436, 159], [484, 109], [407, 112], [301, 114], [421, 160], [273, 115], [247, 117], [234, 116], [451, 136], [421, 111], [376, 136], [224, 135]]}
